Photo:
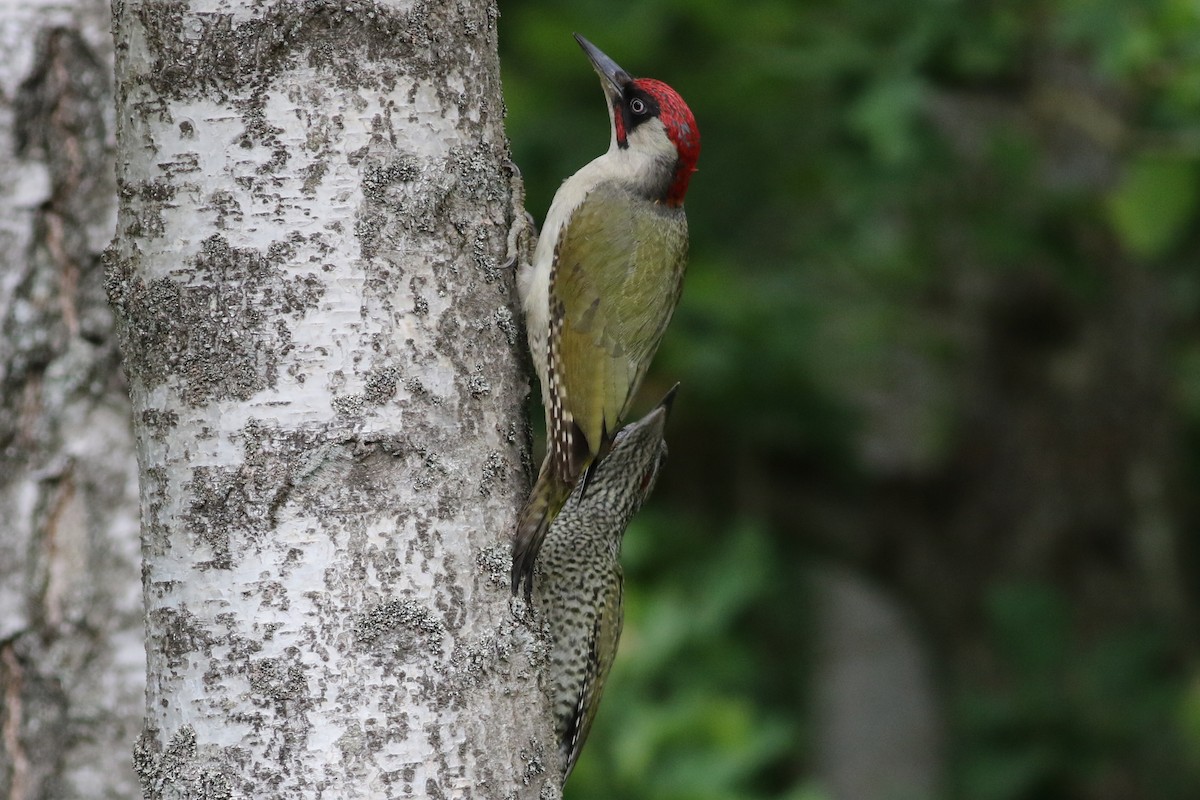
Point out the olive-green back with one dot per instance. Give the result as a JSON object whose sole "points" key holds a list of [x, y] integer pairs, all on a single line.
{"points": [[617, 276]]}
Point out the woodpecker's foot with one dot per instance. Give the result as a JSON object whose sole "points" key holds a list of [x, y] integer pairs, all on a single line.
{"points": [[522, 239], [522, 233]]}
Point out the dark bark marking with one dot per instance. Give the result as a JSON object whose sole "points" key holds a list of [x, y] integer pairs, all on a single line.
{"points": [[219, 335], [210, 56], [178, 770], [176, 635]]}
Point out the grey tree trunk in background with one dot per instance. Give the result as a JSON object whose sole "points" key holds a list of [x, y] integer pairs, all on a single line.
{"points": [[876, 720], [71, 655], [328, 401]]}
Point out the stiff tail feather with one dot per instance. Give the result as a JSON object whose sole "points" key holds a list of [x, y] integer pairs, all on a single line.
{"points": [[549, 495]]}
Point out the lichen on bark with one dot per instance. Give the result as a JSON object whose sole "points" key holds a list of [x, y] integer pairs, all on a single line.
{"points": [[328, 394]]}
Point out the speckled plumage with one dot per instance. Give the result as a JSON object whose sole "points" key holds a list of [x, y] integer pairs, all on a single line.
{"points": [[579, 587]]}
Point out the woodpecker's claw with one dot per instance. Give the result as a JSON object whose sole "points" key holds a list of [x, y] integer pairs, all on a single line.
{"points": [[522, 237], [522, 234]]}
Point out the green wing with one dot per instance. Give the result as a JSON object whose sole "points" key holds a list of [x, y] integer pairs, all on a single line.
{"points": [[616, 280]]}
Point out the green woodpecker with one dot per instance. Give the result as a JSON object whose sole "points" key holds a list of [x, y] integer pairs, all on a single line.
{"points": [[604, 280], [579, 575]]}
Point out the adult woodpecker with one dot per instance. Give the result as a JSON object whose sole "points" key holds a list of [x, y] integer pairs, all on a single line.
{"points": [[605, 278], [579, 576]]}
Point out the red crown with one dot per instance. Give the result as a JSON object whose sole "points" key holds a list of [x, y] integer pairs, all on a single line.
{"points": [[681, 127]]}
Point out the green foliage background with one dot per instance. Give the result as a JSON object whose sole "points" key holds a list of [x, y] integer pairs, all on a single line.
{"points": [[945, 270]]}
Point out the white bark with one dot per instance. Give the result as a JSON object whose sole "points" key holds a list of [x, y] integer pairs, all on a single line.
{"points": [[328, 400], [71, 656]]}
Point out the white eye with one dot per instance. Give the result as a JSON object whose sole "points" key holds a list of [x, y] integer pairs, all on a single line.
{"points": [[637, 106]]}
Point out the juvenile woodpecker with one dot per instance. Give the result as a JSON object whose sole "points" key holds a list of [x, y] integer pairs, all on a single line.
{"points": [[604, 280], [579, 575]]}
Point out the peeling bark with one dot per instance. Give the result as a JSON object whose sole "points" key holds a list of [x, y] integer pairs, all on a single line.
{"points": [[71, 657], [328, 401]]}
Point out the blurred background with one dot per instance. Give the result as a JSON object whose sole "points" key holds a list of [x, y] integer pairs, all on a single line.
{"points": [[929, 526]]}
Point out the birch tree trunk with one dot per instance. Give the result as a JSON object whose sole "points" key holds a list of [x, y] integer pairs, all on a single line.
{"points": [[328, 400], [71, 656]]}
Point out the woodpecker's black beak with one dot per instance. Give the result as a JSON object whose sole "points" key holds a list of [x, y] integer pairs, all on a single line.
{"points": [[657, 418], [668, 400], [612, 76], [660, 413]]}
